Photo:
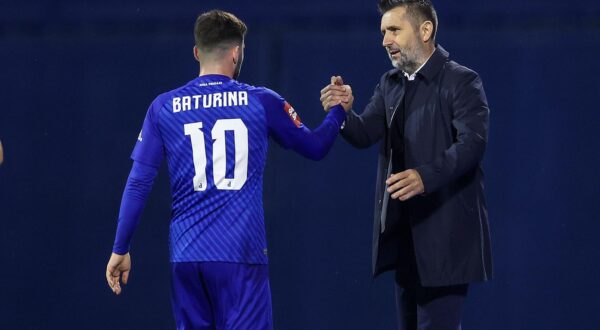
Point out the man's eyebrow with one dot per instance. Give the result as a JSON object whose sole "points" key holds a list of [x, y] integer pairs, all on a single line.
{"points": [[390, 28]]}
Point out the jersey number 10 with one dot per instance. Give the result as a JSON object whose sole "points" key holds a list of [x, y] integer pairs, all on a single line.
{"points": [[219, 161]]}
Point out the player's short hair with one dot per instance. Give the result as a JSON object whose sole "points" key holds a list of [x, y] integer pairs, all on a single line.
{"points": [[418, 11], [218, 29]]}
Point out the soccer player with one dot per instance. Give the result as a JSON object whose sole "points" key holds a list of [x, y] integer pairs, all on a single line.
{"points": [[213, 132]]}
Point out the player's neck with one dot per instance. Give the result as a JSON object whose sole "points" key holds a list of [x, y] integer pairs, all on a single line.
{"points": [[216, 69]]}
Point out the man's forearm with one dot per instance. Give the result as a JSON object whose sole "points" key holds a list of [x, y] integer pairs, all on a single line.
{"points": [[134, 199], [316, 144], [471, 121], [360, 132], [364, 130], [455, 162]]}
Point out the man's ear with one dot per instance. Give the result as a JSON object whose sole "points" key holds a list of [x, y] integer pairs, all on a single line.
{"points": [[426, 31], [235, 53], [196, 53]]}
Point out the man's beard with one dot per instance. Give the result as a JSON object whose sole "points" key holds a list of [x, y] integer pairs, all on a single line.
{"points": [[407, 62]]}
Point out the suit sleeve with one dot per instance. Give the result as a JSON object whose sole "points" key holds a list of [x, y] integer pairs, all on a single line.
{"points": [[364, 130], [470, 120], [286, 128]]}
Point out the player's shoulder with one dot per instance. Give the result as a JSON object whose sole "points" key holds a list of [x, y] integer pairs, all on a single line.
{"points": [[164, 99], [264, 94], [259, 91], [179, 91], [159, 103]]}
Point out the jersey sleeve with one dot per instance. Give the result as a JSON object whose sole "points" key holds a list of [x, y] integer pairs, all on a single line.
{"points": [[133, 201], [149, 148], [286, 128]]}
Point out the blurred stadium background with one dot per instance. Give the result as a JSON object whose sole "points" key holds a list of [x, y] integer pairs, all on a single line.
{"points": [[77, 77]]}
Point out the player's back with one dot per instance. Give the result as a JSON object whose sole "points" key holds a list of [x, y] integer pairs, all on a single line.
{"points": [[214, 134]]}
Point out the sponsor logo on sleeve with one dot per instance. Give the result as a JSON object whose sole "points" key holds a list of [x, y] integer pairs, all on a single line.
{"points": [[140, 137], [293, 115]]}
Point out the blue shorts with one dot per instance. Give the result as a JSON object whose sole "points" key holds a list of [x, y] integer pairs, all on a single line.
{"points": [[221, 295]]}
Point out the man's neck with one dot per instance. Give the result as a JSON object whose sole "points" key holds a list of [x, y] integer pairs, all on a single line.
{"points": [[426, 58], [215, 69]]}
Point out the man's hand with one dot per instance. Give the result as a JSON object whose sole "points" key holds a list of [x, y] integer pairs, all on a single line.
{"points": [[118, 265], [337, 93], [405, 185]]}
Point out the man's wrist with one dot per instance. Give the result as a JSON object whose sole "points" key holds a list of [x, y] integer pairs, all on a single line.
{"points": [[120, 251]]}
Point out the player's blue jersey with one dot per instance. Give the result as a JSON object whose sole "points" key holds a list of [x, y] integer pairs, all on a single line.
{"points": [[214, 133]]}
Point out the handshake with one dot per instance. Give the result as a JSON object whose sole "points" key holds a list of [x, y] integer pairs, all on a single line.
{"points": [[337, 93]]}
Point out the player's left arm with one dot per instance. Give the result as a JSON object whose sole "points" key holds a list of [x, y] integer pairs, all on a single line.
{"points": [[1, 154]]}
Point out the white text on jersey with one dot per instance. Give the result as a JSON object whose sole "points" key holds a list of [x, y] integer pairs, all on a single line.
{"points": [[216, 100]]}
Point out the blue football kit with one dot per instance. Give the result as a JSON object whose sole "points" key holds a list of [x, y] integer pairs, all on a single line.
{"points": [[213, 133]]}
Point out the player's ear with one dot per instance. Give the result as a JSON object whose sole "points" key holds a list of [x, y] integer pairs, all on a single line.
{"points": [[235, 53], [196, 54]]}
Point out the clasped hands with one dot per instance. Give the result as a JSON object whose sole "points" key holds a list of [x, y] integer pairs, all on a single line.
{"points": [[403, 185], [337, 93]]}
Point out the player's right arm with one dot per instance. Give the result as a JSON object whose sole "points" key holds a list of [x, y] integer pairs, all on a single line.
{"points": [[288, 131], [117, 271], [137, 189], [1, 154], [364, 130], [147, 156]]}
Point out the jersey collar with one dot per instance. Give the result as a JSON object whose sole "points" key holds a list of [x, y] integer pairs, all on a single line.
{"points": [[213, 77]]}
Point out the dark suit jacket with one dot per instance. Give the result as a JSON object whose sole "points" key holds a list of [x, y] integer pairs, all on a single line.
{"points": [[445, 136]]}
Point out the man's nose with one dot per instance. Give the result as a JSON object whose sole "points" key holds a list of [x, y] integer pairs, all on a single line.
{"points": [[387, 40]]}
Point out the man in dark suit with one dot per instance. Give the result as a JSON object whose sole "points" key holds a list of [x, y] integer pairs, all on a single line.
{"points": [[431, 116]]}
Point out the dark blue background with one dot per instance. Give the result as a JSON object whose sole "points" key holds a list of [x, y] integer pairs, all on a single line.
{"points": [[77, 77]]}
